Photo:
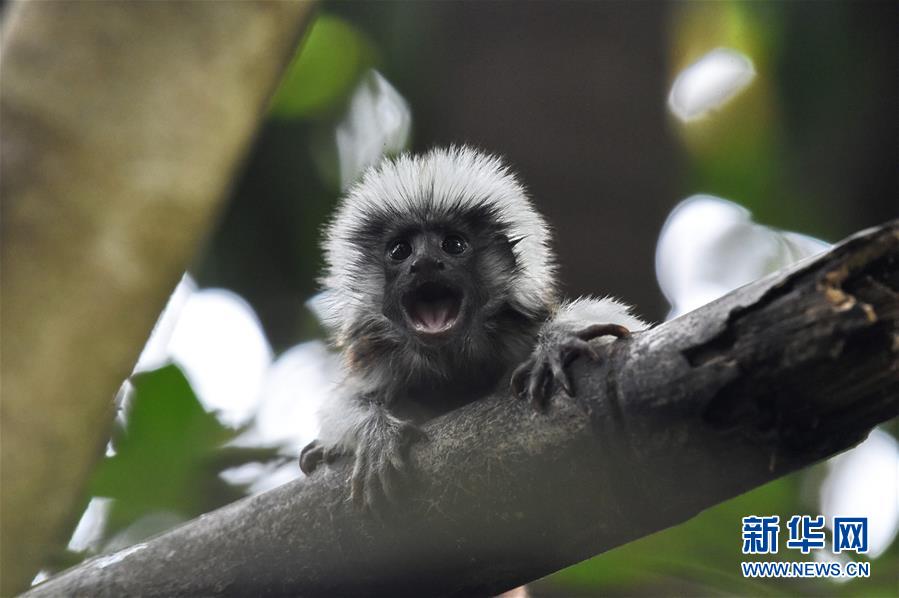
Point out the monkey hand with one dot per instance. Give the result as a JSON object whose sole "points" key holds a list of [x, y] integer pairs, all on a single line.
{"points": [[314, 454], [556, 349], [381, 459]]}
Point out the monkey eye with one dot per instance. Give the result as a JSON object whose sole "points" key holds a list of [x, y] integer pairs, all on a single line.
{"points": [[453, 244], [399, 250]]}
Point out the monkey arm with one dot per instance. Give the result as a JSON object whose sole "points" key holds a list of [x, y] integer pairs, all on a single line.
{"points": [[566, 336], [359, 425]]}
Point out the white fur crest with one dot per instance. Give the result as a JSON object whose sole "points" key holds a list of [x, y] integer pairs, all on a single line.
{"points": [[443, 178]]}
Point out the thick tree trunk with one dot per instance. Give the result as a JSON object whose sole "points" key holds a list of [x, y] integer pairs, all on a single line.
{"points": [[122, 126], [771, 378]]}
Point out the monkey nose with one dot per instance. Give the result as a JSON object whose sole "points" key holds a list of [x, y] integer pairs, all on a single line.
{"points": [[425, 265]]}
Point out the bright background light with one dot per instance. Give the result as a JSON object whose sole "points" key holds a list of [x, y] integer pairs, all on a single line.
{"points": [[864, 482], [709, 83], [710, 246], [378, 122]]}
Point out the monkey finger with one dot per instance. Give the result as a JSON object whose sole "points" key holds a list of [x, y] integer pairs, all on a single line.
{"points": [[548, 380], [397, 460], [357, 478], [329, 456], [388, 476], [311, 457], [537, 387], [576, 346], [374, 493], [597, 330], [396, 452], [520, 378], [560, 374]]}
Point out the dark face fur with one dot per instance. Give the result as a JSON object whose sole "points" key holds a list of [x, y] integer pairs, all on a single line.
{"points": [[429, 290], [447, 281], [444, 278]]}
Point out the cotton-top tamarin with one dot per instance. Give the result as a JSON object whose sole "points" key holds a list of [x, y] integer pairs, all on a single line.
{"points": [[439, 288]]}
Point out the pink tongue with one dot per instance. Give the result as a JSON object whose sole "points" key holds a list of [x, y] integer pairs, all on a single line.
{"points": [[433, 315]]}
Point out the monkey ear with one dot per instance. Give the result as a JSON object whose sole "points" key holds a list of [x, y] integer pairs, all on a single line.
{"points": [[504, 249]]}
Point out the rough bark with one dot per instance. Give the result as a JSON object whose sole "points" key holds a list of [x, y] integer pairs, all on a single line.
{"points": [[122, 126], [771, 378]]}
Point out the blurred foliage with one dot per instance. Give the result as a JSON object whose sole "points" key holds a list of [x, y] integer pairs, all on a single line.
{"points": [[168, 456], [324, 70], [737, 153], [766, 148], [702, 556]]}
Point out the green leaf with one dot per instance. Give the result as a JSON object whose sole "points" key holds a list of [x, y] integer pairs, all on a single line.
{"points": [[701, 555], [167, 457], [323, 71]]}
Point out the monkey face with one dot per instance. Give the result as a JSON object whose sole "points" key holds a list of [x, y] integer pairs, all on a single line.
{"points": [[428, 282], [436, 280]]}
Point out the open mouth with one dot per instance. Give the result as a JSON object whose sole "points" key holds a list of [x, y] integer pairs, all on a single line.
{"points": [[433, 307]]}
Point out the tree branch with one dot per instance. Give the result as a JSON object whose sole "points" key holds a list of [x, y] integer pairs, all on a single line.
{"points": [[122, 126], [771, 378]]}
